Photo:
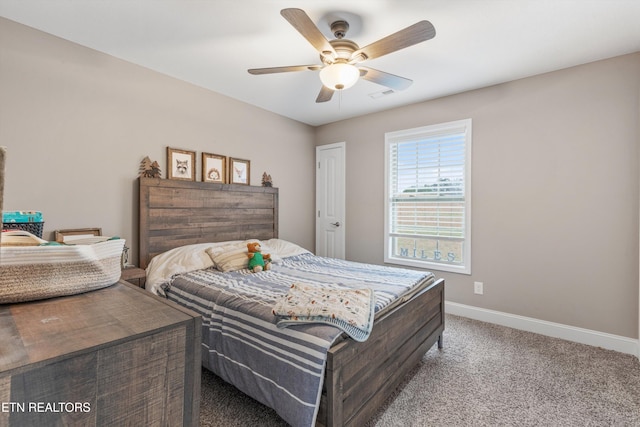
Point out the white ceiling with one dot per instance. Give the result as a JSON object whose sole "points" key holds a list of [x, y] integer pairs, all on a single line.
{"points": [[212, 43]]}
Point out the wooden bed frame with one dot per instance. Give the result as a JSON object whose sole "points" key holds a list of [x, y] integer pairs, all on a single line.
{"points": [[359, 376]]}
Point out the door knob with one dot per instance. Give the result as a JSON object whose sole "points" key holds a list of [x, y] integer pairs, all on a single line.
{"points": [[337, 224]]}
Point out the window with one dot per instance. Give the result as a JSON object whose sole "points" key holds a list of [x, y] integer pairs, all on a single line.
{"points": [[428, 197]]}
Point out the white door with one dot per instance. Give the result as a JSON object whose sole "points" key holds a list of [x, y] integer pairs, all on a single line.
{"points": [[330, 200]]}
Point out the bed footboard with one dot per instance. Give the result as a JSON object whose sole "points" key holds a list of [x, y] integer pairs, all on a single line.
{"points": [[361, 376]]}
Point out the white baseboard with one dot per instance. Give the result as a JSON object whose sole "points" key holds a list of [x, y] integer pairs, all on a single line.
{"points": [[556, 330]]}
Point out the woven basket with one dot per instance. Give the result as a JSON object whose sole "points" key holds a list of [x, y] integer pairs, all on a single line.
{"points": [[37, 272], [31, 227]]}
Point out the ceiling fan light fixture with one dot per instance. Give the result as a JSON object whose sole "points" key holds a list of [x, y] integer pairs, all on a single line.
{"points": [[339, 76]]}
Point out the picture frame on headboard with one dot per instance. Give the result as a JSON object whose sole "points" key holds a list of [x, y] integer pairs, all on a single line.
{"points": [[214, 168], [181, 164], [239, 171]]}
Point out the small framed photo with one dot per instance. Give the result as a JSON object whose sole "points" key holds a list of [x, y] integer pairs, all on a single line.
{"points": [[239, 171], [214, 168], [181, 164], [77, 234]]}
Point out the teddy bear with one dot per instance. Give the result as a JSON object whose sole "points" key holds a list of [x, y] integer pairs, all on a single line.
{"points": [[257, 260]]}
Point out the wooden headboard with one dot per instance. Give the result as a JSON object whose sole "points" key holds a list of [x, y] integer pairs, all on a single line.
{"points": [[176, 213]]}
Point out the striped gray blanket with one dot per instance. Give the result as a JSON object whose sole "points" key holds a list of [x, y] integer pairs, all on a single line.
{"points": [[281, 368]]}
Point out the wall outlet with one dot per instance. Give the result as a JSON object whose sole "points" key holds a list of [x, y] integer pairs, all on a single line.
{"points": [[478, 288]]}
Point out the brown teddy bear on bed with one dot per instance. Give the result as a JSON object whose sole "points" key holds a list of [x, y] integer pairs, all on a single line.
{"points": [[257, 260]]}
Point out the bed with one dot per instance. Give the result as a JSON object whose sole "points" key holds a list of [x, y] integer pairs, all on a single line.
{"points": [[357, 377]]}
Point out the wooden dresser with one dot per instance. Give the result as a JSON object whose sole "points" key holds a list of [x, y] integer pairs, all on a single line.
{"points": [[115, 356]]}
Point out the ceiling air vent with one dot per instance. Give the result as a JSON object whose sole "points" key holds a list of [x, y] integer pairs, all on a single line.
{"points": [[381, 94]]}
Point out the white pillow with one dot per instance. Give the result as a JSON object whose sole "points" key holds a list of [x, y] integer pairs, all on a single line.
{"points": [[284, 248], [229, 258]]}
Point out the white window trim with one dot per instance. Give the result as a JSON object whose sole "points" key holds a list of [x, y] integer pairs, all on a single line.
{"points": [[397, 136]]}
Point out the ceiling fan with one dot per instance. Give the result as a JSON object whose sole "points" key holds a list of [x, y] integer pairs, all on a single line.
{"points": [[339, 57]]}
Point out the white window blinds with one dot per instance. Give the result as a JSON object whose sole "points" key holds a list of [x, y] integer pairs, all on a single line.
{"points": [[427, 197]]}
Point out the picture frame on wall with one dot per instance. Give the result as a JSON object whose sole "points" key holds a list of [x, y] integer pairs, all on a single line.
{"points": [[181, 164], [239, 171], [214, 168]]}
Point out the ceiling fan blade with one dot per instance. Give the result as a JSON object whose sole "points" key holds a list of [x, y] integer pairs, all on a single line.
{"points": [[325, 94], [272, 70], [414, 34], [305, 26], [385, 79]]}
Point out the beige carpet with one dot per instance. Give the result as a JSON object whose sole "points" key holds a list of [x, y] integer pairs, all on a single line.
{"points": [[486, 375]]}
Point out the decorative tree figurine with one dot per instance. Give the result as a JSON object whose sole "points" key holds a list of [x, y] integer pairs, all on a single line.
{"points": [[149, 169]]}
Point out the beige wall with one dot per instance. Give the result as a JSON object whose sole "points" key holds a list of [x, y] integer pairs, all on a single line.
{"points": [[77, 123], [555, 192]]}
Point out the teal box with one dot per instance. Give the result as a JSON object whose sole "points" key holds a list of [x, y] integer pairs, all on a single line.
{"points": [[21, 216]]}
